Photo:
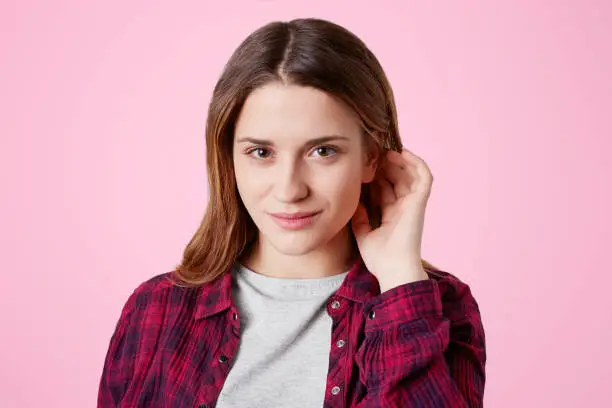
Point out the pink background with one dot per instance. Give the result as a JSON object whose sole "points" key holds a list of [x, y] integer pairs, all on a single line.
{"points": [[103, 176]]}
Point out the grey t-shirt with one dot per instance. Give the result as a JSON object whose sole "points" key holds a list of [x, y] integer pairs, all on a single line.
{"points": [[283, 356]]}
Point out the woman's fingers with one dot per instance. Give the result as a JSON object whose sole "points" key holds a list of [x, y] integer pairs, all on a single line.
{"points": [[387, 195], [401, 177], [422, 169], [408, 173]]}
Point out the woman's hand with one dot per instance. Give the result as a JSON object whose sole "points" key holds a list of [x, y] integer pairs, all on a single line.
{"points": [[392, 252]]}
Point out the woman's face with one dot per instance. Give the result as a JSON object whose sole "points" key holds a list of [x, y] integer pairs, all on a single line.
{"points": [[299, 161]]}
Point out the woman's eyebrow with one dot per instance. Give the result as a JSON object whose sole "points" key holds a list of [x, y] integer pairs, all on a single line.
{"points": [[310, 142]]}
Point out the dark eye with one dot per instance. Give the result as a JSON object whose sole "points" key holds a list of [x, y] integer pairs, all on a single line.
{"points": [[260, 153], [325, 151]]}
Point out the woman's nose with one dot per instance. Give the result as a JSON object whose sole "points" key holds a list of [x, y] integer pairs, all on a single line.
{"points": [[290, 185]]}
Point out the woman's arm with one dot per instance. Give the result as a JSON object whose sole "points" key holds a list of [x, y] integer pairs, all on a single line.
{"points": [[119, 362], [424, 346]]}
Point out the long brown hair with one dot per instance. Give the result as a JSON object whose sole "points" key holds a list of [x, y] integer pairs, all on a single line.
{"points": [[308, 52]]}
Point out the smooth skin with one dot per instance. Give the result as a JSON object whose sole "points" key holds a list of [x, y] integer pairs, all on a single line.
{"points": [[298, 149]]}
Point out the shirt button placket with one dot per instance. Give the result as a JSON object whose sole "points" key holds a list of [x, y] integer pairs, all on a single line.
{"points": [[335, 307]]}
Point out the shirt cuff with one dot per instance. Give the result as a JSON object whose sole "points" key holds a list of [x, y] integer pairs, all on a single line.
{"points": [[403, 304]]}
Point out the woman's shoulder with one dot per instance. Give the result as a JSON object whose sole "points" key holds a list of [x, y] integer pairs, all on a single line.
{"points": [[159, 295], [156, 310], [458, 302], [160, 283], [447, 280], [452, 288]]}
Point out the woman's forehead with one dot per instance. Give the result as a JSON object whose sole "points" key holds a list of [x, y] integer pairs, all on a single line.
{"points": [[292, 112]]}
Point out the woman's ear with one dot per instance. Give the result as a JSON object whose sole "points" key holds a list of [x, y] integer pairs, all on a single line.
{"points": [[371, 161]]}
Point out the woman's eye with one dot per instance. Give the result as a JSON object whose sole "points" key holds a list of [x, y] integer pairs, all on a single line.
{"points": [[325, 151], [260, 153]]}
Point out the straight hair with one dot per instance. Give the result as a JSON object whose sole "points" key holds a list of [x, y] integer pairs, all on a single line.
{"points": [[307, 52]]}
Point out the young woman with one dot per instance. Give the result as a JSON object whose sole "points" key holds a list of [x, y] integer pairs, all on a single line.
{"points": [[304, 285]]}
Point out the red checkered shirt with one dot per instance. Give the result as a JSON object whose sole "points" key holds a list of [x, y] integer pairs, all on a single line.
{"points": [[420, 344]]}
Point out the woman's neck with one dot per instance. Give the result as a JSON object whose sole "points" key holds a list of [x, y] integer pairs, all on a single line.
{"points": [[336, 257]]}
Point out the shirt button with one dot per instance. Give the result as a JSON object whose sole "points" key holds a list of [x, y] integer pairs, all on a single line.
{"points": [[335, 304], [372, 314], [335, 390], [340, 343], [235, 316], [223, 358]]}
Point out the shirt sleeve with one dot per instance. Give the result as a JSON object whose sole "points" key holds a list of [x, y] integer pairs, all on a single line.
{"points": [[422, 348], [119, 362]]}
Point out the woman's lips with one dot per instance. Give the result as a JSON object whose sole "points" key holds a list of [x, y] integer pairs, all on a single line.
{"points": [[294, 221]]}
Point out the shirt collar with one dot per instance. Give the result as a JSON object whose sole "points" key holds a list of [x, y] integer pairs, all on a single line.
{"points": [[214, 297], [359, 286]]}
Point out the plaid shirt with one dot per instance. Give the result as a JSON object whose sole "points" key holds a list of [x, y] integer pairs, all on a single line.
{"points": [[421, 344]]}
